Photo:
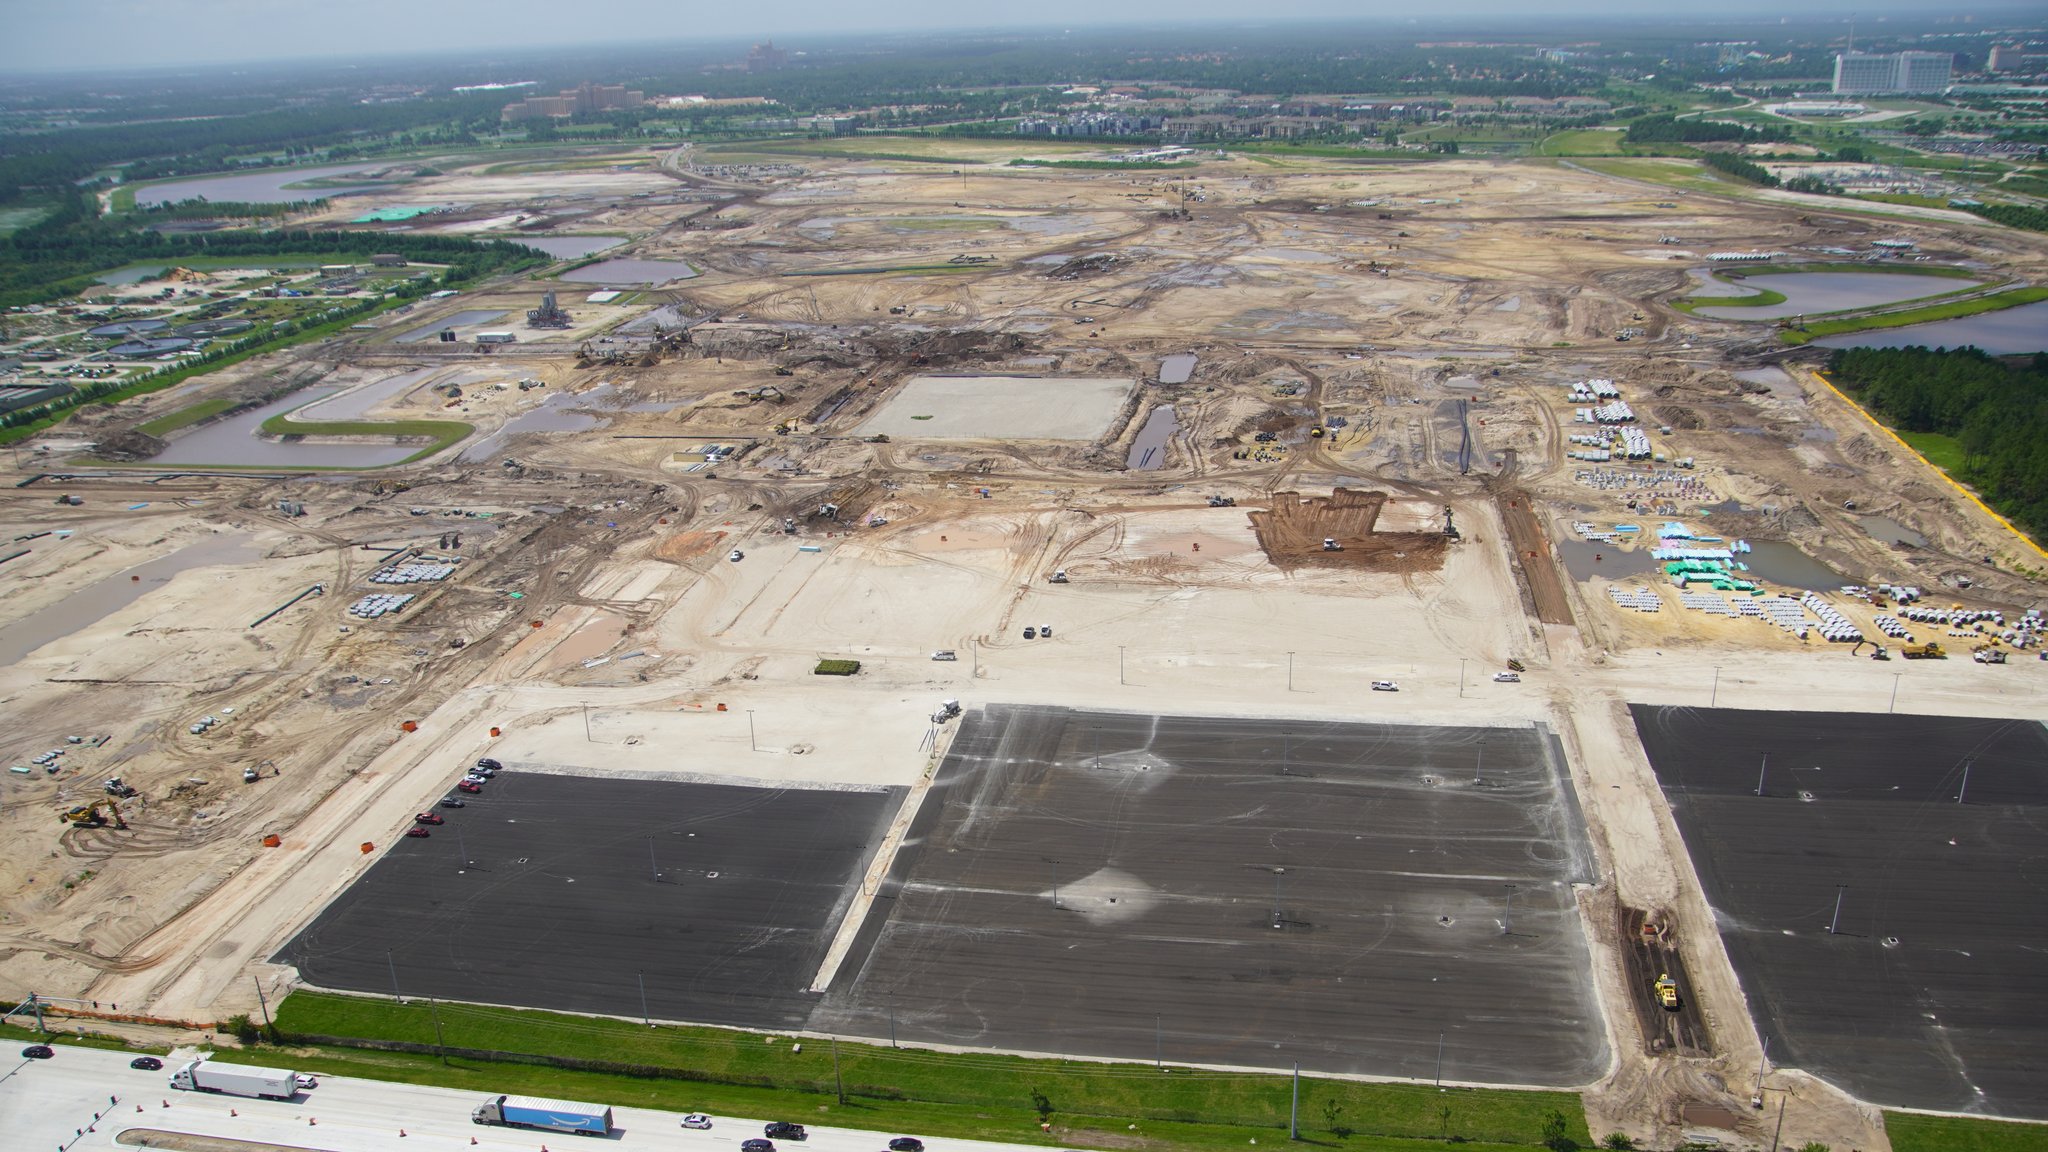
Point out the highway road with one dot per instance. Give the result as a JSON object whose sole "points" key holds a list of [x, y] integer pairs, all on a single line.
{"points": [[84, 1098]]}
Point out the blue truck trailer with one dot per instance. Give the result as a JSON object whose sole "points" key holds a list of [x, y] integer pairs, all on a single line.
{"points": [[545, 1115]]}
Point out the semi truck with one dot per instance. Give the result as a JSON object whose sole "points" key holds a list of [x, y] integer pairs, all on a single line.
{"points": [[545, 1115], [234, 1080]]}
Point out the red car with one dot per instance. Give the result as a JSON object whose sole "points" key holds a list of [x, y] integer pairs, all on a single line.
{"points": [[418, 831], [428, 818], [466, 786]]}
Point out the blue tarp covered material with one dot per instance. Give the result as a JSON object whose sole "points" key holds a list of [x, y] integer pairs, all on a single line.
{"points": [[1672, 530]]}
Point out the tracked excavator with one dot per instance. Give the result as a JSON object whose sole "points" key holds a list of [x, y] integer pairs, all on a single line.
{"points": [[94, 815]]}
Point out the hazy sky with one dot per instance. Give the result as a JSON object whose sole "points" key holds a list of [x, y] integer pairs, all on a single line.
{"points": [[45, 35]]}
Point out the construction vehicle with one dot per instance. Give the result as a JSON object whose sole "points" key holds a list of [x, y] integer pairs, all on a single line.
{"points": [[1989, 654], [92, 815], [119, 788], [1927, 651], [1222, 501], [1450, 527], [1330, 544], [1059, 576], [1517, 666], [1667, 992]]}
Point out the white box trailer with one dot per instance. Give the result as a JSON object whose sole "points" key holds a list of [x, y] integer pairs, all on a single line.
{"points": [[234, 1080]]}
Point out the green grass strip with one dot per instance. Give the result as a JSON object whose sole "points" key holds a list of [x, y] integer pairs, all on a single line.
{"points": [[442, 433], [1911, 1132], [184, 417], [972, 1094], [1994, 302]]}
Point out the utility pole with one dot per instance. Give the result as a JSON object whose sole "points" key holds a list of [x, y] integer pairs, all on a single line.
{"points": [[586, 723], [892, 1019], [1894, 707], [393, 965], [1294, 1110], [1835, 923], [1763, 1062], [440, 1048], [1715, 696], [752, 744], [1461, 677], [1439, 1060], [1158, 1044], [1290, 671], [1966, 782], [1781, 1125], [261, 1002], [838, 1085], [1507, 924], [1760, 773], [1120, 664], [1479, 769]]}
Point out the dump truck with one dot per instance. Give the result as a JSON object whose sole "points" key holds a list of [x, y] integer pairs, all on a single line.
{"points": [[544, 1115], [234, 1080], [1927, 651], [1667, 992]]}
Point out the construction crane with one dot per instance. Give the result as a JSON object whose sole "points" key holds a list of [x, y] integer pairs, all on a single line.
{"points": [[94, 815]]}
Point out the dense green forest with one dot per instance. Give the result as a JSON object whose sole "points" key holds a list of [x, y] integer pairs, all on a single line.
{"points": [[1996, 410], [1739, 168], [1666, 128]]}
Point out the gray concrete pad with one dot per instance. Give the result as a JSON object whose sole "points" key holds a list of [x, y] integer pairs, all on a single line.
{"points": [[999, 408], [1177, 932], [1929, 993], [562, 907]]}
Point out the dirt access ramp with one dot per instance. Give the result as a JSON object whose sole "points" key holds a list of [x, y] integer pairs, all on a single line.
{"points": [[1532, 556], [1292, 532]]}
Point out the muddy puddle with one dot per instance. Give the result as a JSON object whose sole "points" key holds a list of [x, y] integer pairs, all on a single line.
{"points": [[1148, 451], [1776, 562], [95, 602], [1584, 560], [1891, 531]]}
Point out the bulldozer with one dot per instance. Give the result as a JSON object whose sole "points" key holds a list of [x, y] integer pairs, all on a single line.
{"points": [[94, 815], [1667, 992]]}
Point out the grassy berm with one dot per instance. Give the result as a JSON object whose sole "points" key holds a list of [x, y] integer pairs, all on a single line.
{"points": [[907, 1090]]}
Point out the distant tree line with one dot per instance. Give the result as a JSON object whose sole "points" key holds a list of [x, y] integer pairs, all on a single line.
{"points": [[2014, 216], [1739, 168], [1667, 128], [1997, 411]]}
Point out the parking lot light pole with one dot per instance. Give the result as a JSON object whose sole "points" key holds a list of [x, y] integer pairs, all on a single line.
{"points": [[1507, 924], [1715, 696], [1120, 664], [1835, 922], [641, 976], [752, 744], [393, 965], [1894, 705]]}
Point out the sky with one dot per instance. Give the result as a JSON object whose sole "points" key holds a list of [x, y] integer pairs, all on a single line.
{"points": [[65, 35]]}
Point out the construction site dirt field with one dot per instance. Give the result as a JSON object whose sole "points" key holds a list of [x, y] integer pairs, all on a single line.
{"points": [[722, 898], [648, 527], [1923, 991], [1243, 892], [1339, 531]]}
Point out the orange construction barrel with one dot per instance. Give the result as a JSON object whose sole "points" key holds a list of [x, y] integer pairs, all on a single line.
{"points": [[272, 841], [721, 707], [536, 624], [410, 726], [494, 731], [368, 847]]}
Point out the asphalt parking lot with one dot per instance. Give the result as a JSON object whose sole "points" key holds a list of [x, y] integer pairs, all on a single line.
{"points": [[570, 893], [1927, 992], [1239, 891]]}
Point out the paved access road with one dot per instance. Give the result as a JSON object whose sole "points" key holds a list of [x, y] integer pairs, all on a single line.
{"points": [[53, 1105]]}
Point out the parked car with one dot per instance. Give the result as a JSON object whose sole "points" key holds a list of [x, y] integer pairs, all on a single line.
{"points": [[1506, 678], [428, 818], [147, 1063], [1031, 633], [38, 1052], [1045, 630], [1385, 686], [305, 1081], [737, 556], [493, 765], [784, 1130], [945, 654], [906, 1144], [417, 832], [454, 802], [469, 786], [697, 1120]]}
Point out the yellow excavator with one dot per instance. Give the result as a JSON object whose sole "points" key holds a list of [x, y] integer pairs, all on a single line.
{"points": [[95, 814], [1667, 992]]}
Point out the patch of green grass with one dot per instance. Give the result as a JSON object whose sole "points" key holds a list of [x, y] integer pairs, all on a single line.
{"points": [[1943, 451], [1946, 311], [15, 219], [977, 1095], [1911, 1132], [185, 417], [1902, 198], [441, 433], [1581, 142]]}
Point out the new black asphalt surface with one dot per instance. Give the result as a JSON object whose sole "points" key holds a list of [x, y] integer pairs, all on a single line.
{"points": [[1930, 993], [1239, 891], [561, 907]]}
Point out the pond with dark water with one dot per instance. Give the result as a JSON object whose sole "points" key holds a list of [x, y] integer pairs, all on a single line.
{"points": [[1584, 559], [566, 247], [263, 186], [631, 273], [1812, 293], [2010, 332], [1776, 562]]}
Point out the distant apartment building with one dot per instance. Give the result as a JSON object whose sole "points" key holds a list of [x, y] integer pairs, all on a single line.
{"points": [[1857, 72], [1092, 124], [582, 100], [2007, 58], [767, 58]]}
